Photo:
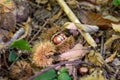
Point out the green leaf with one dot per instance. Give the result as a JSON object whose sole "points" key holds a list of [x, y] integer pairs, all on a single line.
{"points": [[116, 2], [63, 70], [20, 44], [12, 56], [48, 75], [64, 76]]}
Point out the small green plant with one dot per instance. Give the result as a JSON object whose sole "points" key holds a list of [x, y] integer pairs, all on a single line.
{"points": [[116, 2], [63, 74], [20, 44], [12, 56], [48, 75]]}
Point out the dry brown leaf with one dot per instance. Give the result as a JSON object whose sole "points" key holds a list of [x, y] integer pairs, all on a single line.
{"points": [[92, 18], [75, 53], [110, 59]]}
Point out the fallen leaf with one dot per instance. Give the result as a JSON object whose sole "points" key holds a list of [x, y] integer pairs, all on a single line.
{"points": [[110, 59], [70, 25], [92, 18], [41, 1], [87, 28], [112, 18], [7, 4], [96, 75], [116, 27], [95, 58], [76, 52], [108, 43], [98, 2]]}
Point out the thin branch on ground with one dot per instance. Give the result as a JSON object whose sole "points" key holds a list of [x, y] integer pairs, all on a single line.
{"points": [[59, 64]]}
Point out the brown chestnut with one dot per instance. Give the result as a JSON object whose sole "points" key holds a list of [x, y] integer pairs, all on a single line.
{"points": [[58, 38]]}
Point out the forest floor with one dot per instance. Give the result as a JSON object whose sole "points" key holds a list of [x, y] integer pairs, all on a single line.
{"points": [[59, 40]]}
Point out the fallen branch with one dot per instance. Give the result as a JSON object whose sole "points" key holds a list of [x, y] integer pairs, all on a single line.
{"points": [[59, 64], [74, 19]]}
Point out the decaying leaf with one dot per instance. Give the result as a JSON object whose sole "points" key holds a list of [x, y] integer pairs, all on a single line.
{"points": [[7, 4], [41, 1], [116, 27], [109, 59], [108, 43], [96, 75], [95, 58], [112, 18], [74, 53], [98, 2], [92, 18], [116, 45]]}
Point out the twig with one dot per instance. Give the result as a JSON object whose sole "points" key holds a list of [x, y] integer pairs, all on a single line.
{"points": [[74, 73], [16, 36], [5, 62], [102, 45], [38, 31], [74, 19], [59, 64]]}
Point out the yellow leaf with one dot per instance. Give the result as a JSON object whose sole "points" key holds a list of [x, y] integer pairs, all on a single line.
{"points": [[109, 59], [7, 4], [96, 75], [116, 27]]}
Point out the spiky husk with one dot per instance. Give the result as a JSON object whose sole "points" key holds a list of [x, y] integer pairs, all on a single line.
{"points": [[42, 54], [21, 70], [65, 45]]}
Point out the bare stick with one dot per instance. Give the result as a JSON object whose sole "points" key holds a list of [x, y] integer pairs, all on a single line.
{"points": [[74, 19], [59, 64]]}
